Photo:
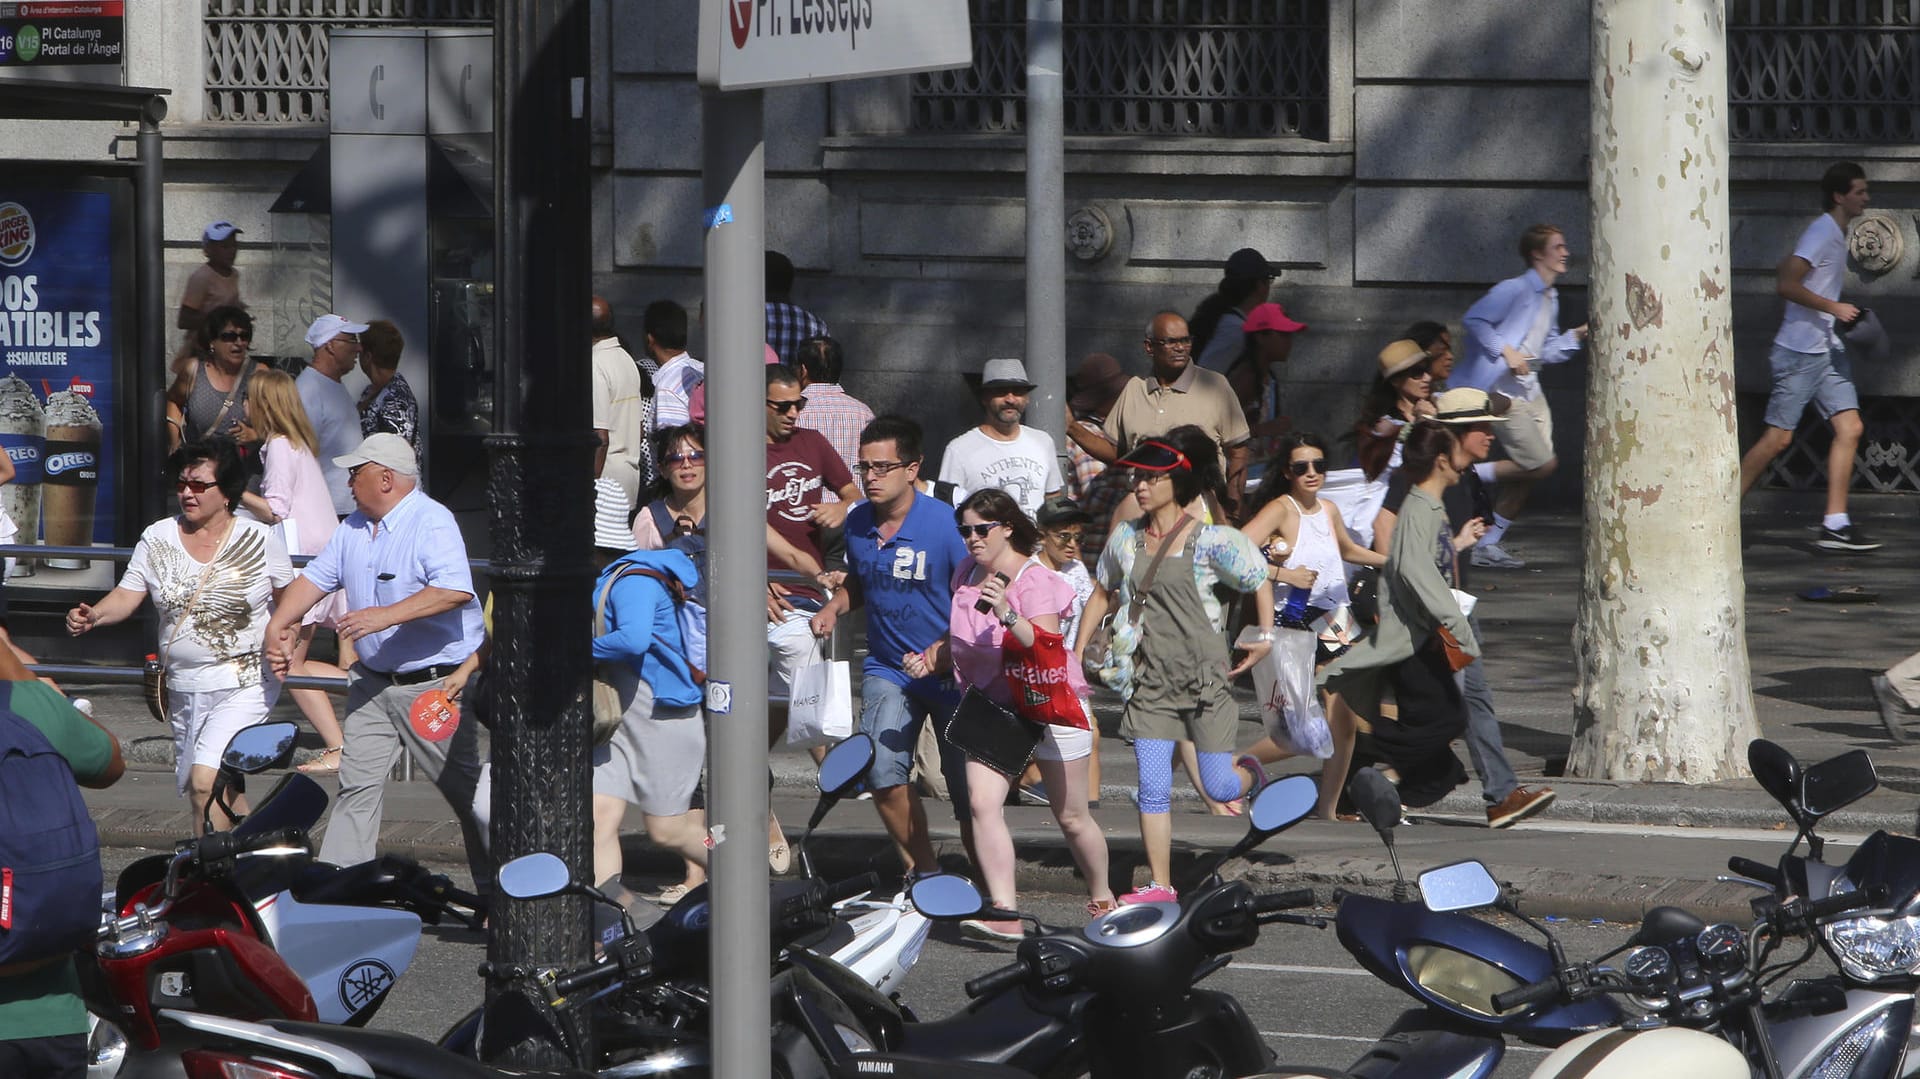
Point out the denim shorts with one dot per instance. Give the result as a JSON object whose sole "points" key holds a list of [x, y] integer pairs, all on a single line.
{"points": [[1799, 377], [892, 717]]}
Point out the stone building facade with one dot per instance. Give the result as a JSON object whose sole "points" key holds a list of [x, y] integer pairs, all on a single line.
{"points": [[1386, 152]]}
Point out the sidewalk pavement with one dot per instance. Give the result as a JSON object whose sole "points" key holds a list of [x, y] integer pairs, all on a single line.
{"points": [[1603, 850]]}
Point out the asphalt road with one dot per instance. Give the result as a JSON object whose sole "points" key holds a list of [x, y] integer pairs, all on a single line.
{"points": [[1311, 1001]]}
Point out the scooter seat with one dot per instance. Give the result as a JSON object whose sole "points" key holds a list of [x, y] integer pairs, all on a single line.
{"points": [[403, 1056]]}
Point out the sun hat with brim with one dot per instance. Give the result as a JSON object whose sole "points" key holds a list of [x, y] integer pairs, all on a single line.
{"points": [[1468, 405], [1401, 356], [1154, 455], [1061, 510], [1003, 374], [1271, 316], [1097, 382], [384, 449]]}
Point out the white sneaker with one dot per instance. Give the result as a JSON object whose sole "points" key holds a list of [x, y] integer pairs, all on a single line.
{"points": [[1493, 556]]}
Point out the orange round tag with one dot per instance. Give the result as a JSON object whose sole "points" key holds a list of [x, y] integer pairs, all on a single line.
{"points": [[433, 716]]}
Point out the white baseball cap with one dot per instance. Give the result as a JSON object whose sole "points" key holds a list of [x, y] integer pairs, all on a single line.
{"points": [[220, 230], [385, 449], [329, 326]]}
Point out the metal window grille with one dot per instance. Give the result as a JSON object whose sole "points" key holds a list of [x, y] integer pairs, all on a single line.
{"points": [[1230, 68], [1888, 460], [1824, 70], [266, 60]]}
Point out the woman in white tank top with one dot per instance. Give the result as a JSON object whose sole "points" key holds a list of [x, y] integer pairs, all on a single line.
{"points": [[1306, 543]]}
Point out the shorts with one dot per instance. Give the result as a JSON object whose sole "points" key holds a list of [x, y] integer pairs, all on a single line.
{"points": [[205, 721], [791, 645], [655, 756], [891, 717], [1823, 378], [1526, 432], [1059, 743]]}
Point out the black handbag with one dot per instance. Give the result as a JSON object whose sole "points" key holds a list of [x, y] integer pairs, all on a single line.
{"points": [[991, 734]]}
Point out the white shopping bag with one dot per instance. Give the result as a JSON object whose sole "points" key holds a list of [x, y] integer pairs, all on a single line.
{"points": [[1289, 705], [820, 704]]}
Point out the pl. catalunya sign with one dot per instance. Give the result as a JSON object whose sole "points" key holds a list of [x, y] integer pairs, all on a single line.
{"points": [[749, 44]]}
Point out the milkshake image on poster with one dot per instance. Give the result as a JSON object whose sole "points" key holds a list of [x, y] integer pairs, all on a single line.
{"points": [[72, 475], [23, 435]]}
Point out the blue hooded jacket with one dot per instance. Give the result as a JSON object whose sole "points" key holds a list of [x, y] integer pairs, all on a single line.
{"points": [[644, 629]]}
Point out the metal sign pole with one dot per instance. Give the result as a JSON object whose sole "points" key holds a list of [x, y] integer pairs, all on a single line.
{"points": [[1046, 224], [734, 186]]}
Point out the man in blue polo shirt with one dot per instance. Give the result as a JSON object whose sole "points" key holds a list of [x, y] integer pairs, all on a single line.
{"points": [[902, 553]]}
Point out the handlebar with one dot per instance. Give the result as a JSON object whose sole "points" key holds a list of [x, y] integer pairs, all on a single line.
{"points": [[840, 891], [592, 977], [1871, 896], [1760, 871], [1298, 897], [995, 980], [1527, 995]]}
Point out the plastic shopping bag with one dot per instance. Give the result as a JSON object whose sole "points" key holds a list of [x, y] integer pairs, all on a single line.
{"points": [[820, 705], [1289, 705]]}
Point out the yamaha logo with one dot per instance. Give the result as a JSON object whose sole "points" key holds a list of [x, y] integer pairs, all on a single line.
{"points": [[363, 983], [16, 234]]}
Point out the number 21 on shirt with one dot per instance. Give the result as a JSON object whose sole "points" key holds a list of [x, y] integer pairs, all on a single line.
{"points": [[909, 565]]}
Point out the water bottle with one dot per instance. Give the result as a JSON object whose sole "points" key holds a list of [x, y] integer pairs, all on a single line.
{"points": [[1294, 613]]}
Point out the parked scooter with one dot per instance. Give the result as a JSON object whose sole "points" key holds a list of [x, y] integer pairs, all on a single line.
{"points": [[1142, 965], [841, 932], [1451, 963], [347, 934], [1860, 1021]]}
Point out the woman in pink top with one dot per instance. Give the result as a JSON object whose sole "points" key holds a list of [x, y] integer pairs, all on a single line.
{"points": [[1021, 595], [293, 495]]}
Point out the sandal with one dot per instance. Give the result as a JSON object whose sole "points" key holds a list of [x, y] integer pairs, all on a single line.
{"points": [[779, 857], [318, 766]]}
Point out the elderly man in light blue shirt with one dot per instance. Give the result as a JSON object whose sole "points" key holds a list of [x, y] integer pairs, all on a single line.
{"points": [[412, 618], [1511, 331]]}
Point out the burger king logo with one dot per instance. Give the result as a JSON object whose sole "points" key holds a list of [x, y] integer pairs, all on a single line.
{"points": [[16, 234]]}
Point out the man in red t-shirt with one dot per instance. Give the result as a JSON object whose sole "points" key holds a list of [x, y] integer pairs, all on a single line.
{"points": [[801, 465]]}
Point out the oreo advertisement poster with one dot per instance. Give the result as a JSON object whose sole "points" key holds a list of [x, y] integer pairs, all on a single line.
{"points": [[57, 378]]}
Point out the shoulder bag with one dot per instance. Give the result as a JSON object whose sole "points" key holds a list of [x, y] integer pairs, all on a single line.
{"points": [[153, 684], [988, 733]]}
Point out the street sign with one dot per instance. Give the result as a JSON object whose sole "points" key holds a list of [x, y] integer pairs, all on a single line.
{"points": [[750, 44]]}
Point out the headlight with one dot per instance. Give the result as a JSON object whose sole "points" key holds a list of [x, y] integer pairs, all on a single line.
{"points": [[1873, 947]]}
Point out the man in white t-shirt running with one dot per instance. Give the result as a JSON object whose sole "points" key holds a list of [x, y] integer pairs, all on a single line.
{"points": [[1002, 452], [1807, 359]]}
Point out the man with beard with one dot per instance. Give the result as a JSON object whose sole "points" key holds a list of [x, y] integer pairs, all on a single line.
{"points": [[1002, 452]]}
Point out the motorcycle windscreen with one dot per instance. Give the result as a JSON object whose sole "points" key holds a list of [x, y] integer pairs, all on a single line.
{"points": [[1890, 860]]}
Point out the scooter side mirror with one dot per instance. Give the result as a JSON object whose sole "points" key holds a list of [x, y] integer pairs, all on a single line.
{"points": [[1375, 798], [533, 876], [1836, 783], [1460, 886], [845, 764], [258, 748], [1282, 804], [1777, 772], [946, 896]]}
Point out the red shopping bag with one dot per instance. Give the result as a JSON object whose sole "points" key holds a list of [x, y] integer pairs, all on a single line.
{"points": [[1038, 675]]}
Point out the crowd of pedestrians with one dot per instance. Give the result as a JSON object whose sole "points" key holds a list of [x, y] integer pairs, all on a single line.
{"points": [[1185, 535]]}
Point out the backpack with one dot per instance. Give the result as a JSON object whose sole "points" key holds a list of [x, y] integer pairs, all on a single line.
{"points": [[49, 849]]}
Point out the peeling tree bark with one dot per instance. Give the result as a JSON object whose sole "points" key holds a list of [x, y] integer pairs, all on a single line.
{"points": [[1664, 691]]}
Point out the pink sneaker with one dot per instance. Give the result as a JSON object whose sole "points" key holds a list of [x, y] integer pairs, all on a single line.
{"points": [[1154, 892]]}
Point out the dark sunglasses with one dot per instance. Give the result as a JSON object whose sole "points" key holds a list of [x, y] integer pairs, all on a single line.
{"points": [[1313, 464], [1418, 370], [978, 531], [784, 407], [231, 336], [690, 457], [1070, 539], [198, 487]]}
